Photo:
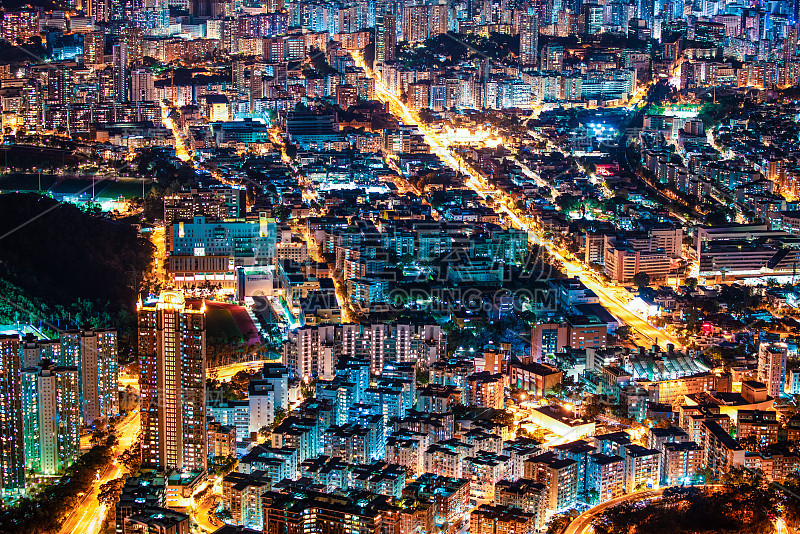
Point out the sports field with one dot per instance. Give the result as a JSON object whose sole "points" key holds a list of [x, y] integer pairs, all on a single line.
{"points": [[231, 321]]}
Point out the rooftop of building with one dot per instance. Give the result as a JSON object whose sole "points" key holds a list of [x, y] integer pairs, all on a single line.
{"points": [[502, 514], [157, 519], [637, 451], [757, 416], [575, 447], [549, 459], [432, 484], [561, 414], [296, 499], [621, 437], [667, 432], [536, 368], [236, 529], [604, 459], [521, 486], [241, 481], [721, 435]]}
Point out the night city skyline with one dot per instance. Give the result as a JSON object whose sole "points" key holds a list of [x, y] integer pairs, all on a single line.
{"points": [[399, 267]]}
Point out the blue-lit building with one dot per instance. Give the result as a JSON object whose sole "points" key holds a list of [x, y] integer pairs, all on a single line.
{"points": [[246, 131], [51, 417], [245, 242], [12, 449], [48, 388]]}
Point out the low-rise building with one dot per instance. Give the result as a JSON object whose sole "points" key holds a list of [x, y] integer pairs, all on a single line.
{"points": [[721, 451], [241, 496], [486, 390], [759, 426], [160, 520], [379, 477], [606, 477], [561, 421], [524, 494], [450, 496], [488, 519], [642, 468], [221, 440], [560, 476], [681, 462], [407, 448], [535, 378]]}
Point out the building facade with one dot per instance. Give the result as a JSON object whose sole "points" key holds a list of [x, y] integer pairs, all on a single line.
{"points": [[172, 381], [51, 417]]}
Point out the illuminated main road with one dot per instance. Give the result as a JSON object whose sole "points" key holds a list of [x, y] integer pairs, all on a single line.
{"points": [[158, 238], [87, 517], [613, 298], [181, 150], [224, 373]]}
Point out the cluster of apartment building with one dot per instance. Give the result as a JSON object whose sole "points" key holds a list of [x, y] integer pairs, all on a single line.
{"points": [[54, 386]]}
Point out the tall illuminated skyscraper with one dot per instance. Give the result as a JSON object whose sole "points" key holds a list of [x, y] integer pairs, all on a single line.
{"points": [[131, 37], [385, 38], [36, 349], [51, 417], [772, 366], [172, 380], [12, 457], [94, 353], [120, 69], [99, 10], [47, 386], [528, 37]]}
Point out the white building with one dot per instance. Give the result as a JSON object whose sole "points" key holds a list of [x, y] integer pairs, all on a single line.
{"points": [[267, 394], [51, 417], [772, 366]]}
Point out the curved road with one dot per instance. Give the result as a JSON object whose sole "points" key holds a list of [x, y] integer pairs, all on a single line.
{"points": [[584, 523], [200, 515]]}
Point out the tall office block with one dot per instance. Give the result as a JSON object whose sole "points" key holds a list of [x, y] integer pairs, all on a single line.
{"points": [[51, 417], [592, 15], [790, 42], [645, 10], [172, 380], [12, 452], [99, 10], [552, 57], [528, 37], [142, 86]]}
